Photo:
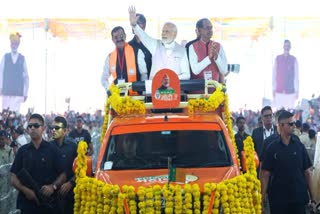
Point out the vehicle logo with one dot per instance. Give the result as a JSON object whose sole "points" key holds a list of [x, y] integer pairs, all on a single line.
{"points": [[165, 89], [163, 179]]}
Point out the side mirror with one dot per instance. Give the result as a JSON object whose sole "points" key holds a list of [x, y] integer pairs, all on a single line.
{"points": [[244, 163], [89, 165]]}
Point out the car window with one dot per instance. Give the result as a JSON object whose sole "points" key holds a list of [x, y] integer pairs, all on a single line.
{"points": [[186, 148]]}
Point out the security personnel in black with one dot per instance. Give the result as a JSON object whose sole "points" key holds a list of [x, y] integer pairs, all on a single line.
{"points": [[68, 149], [37, 172], [286, 171], [241, 135]]}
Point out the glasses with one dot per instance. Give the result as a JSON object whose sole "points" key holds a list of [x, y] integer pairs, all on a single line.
{"points": [[35, 125], [291, 123], [267, 115], [56, 127]]}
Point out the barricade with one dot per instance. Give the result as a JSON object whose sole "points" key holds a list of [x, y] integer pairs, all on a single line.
{"points": [[8, 194]]}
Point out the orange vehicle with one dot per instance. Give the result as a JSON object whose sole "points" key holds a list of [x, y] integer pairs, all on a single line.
{"points": [[167, 151], [196, 145]]}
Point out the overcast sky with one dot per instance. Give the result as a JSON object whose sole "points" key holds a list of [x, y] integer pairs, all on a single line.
{"points": [[170, 8]]}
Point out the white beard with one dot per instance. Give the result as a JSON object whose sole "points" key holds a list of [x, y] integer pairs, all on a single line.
{"points": [[167, 41]]}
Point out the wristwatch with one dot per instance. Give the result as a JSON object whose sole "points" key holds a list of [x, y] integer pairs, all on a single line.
{"points": [[54, 187]]}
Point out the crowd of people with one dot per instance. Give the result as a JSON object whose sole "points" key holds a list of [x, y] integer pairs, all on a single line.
{"points": [[63, 131], [275, 136], [85, 126], [288, 166]]}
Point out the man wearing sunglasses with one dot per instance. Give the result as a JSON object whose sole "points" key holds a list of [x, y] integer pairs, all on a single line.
{"points": [[37, 171], [286, 171], [261, 133], [68, 149]]}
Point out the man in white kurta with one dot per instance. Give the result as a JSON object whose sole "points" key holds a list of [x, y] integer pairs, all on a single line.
{"points": [[166, 53], [207, 57], [14, 78]]}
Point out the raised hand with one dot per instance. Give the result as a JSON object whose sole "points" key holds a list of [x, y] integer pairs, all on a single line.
{"points": [[132, 16]]}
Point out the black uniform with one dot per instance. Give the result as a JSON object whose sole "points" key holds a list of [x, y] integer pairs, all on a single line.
{"points": [[44, 165], [84, 135], [68, 151], [239, 141], [147, 56], [287, 188]]}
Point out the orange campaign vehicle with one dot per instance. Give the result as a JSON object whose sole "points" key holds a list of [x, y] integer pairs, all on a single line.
{"points": [[168, 152]]}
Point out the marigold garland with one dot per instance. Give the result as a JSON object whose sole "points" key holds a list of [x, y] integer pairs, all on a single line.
{"points": [[206, 105], [241, 194], [125, 105], [105, 120], [228, 121]]}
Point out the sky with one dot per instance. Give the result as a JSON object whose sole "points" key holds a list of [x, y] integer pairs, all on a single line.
{"points": [[102, 8], [60, 69]]}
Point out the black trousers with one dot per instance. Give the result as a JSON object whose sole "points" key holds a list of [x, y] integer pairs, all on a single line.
{"points": [[288, 208]]}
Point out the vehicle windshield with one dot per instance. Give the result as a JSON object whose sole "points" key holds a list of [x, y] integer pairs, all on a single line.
{"points": [[152, 150]]}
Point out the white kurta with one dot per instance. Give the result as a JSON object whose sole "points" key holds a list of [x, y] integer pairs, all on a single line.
{"points": [[172, 56], [197, 66], [14, 102]]}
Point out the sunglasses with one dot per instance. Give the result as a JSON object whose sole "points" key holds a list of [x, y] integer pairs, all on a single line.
{"points": [[35, 125], [56, 127], [291, 123]]}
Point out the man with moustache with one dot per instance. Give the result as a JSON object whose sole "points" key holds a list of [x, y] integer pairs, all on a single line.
{"points": [[14, 78], [285, 79], [286, 171], [68, 149], [120, 65], [166, 53], [42, 161], [207, 57]]}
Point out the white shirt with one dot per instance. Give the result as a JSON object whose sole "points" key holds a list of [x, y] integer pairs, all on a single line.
{"points": [[21, 140], [197, 66], [267, 133], [106, 78], [172, 51]]}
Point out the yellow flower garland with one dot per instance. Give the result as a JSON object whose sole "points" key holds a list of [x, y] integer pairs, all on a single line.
{"points": [[241, 194], [228, 121], [206, 105], [105, 121], [125, 105]]}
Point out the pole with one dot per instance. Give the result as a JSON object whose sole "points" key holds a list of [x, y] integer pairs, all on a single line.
{"points": [[45, 73]]}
